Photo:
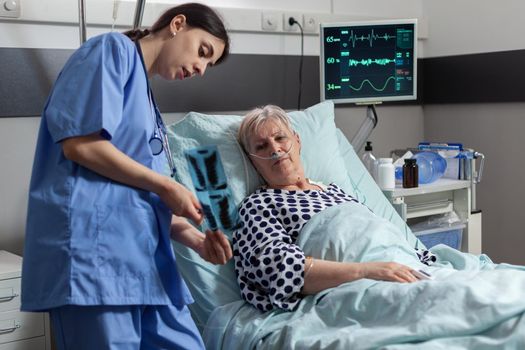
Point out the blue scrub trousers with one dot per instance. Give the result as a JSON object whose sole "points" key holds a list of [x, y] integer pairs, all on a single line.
{"points": [[124, 327]]}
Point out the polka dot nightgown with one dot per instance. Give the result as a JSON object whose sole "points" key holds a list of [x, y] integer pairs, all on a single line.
{"points": [[268, 263]]}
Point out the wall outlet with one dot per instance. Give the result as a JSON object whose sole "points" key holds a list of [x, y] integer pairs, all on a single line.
{"points": [[286, 25], [10, 8], [270, 20], [310, 23]]}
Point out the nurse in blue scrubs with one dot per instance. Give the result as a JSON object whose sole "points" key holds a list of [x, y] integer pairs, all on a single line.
{"points": [[101, 207]]}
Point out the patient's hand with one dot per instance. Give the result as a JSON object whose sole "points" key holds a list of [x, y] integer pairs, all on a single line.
{"points": [[324, 274], [215, 248], [388, 271]]}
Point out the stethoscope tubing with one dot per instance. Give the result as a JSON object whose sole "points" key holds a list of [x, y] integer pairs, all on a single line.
{"points": [[159, 141]]}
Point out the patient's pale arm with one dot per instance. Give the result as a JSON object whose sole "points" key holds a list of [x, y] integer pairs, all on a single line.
{"points": [[212, 246], [325, 274]]}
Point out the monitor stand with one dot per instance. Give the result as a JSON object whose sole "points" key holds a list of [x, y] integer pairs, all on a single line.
{"points": [[366, 128]]}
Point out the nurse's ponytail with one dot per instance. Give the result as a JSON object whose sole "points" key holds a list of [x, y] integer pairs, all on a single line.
{"points": [[197, 16], [136, 34]]}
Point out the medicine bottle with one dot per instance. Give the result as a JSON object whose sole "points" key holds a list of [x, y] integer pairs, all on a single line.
{"points": [[386, 174], [410, 173]]}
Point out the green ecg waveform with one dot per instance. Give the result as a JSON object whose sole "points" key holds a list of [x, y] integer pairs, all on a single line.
{"points": [[370, 37], [369, 61], [372, 85]]}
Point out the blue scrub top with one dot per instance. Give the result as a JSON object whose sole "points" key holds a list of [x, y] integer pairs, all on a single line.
{"points": [[90, 240]]}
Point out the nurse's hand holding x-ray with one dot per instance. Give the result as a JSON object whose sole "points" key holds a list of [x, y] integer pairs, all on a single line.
{"points": [[212, 246], [99, 155], [182, 202]]}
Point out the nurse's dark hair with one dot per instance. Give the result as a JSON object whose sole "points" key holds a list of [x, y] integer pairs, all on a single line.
{"points": [[197, 16]]}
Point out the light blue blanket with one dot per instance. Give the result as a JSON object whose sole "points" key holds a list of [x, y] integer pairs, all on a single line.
{"points": [[471, 303]]}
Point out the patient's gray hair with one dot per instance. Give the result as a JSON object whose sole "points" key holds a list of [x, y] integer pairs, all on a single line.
{"points": [[253, 120]]}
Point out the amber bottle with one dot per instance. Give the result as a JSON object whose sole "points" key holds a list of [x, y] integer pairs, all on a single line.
{"points": [[410, 174]]}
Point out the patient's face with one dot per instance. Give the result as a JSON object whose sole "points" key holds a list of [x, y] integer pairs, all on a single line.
{"points": [[272, 137]]}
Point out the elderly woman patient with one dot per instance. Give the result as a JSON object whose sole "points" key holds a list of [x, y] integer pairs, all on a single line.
{"points": [[272, 270], [347, 273]]}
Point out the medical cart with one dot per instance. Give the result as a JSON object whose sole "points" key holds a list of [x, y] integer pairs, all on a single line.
{"points": [[441, 197]]}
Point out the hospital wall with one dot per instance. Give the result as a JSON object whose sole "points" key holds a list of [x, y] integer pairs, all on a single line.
{"points": [[478, 50]]}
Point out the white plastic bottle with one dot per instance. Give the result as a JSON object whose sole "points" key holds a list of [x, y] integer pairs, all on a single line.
{"points": [[386, 178], [369, 160]]}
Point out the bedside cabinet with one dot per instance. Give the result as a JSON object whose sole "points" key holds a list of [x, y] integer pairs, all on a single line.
{"points": [[441, 197], [18, 330]]}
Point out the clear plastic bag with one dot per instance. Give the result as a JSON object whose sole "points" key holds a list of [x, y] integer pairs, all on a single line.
{"points": [[449, 219]]}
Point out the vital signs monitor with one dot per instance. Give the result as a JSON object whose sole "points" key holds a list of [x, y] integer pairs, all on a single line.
{"points": [[368, 61]]}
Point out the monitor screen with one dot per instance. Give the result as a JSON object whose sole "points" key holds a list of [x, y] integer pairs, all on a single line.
{"points": [[368, 61]]}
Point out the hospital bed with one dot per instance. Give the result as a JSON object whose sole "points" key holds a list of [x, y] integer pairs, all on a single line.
{"points": [[223, 318]]}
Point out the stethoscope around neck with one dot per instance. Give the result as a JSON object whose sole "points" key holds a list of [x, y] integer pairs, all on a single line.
{"points": [[158, 142]]}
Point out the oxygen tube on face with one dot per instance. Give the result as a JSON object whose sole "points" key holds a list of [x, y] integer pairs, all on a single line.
{"points": [[275, 155]]}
